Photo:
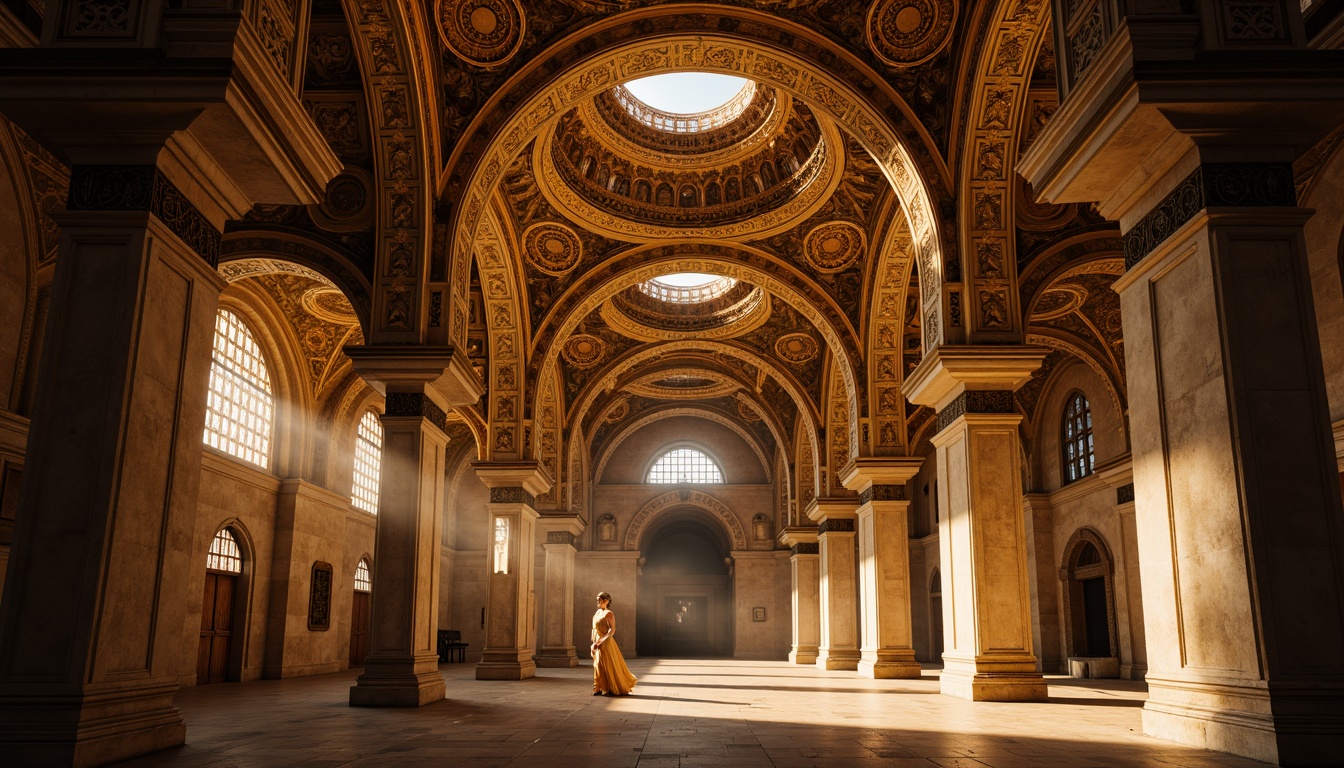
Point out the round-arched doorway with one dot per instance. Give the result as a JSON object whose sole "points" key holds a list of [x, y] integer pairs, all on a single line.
{"points": [[685, 588]]}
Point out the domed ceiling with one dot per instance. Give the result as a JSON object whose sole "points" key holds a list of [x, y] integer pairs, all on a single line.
{"points": [[707, 262]]}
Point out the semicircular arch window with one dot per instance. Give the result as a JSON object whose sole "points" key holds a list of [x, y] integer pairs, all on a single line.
{"points": [[240, 406], [685, 465]]}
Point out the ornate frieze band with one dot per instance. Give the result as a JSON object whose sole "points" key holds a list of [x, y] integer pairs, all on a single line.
{"points": [[560, 537], [514, 495], [1212, 185], [807, 548], [882, 493], [1124, 494], [836, 525], [143, 188], [412, 404], [975, 401]]}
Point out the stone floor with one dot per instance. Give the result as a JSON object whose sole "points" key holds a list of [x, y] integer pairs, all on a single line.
{"points": [[684, 714]]}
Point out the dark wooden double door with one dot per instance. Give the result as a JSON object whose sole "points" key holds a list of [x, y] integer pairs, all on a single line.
{"points": [[212, 661], [359, 629]]}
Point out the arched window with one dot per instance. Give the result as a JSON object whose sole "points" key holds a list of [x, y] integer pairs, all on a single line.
{"points": [[685, 465], [368, 463], [240, 405], [224, 555], [1077, 438], [363, 579]]}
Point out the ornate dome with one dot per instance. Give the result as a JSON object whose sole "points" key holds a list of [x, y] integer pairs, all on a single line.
{"points": [[753, 166], [654, 310]]}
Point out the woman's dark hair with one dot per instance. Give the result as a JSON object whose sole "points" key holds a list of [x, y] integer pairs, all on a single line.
{"points": [[604, 596]]}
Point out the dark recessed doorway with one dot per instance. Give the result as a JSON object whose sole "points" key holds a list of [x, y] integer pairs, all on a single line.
{"points": [[685, 600]]}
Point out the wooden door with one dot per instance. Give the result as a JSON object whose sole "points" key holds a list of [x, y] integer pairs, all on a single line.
{"points": [[212, 660], [359, 629]]}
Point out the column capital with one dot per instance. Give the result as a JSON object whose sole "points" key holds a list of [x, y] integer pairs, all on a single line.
{"points": [[795, 535], [529, 477], [443, 373], [949, 371], [881, 478], [560, 525], [824, 508]]}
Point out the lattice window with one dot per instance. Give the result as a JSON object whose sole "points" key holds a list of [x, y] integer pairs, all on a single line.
{"points": [[685, 465], [1077, 438], [368, 463], [240, 406], [224, 555], [363, 579]]}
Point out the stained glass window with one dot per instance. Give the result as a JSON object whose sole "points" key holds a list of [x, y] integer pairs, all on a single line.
{"points": [[240, 406]]}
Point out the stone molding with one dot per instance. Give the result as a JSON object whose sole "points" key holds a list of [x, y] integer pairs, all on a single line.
{"points": [[1211, 185], [403, 404], [882, 493], [974, 401], [144, 188], [514, 495], [835, 525]]}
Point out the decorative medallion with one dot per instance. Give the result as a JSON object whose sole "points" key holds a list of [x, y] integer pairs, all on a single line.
{"points": [[329, 304], [618, 411], [1058, 301], [486, 33], [833, 246], [347, 206], [796, 347], [906, 32], [583, 350], [747, 412], [552, 248]]}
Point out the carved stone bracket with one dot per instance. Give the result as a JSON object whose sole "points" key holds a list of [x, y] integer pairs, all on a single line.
{"points": [[143, 188]]}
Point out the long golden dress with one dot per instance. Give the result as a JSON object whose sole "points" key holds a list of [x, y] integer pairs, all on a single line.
{"points": [[610, 675]]}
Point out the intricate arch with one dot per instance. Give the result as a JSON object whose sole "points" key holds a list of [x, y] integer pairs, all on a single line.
{"points": [[685, 497], [986, 184], [265, 252], [1071, 572], [497, 263], [885, 351]]}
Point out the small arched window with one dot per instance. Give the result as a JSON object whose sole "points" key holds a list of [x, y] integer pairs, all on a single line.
{"points": [[363, 579], [368, 463], [224, 555], [240, 405], [685, 465], [1076, 439]]}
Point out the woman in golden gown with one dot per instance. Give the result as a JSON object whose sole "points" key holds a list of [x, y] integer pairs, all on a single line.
{"points": [[610, 675]]}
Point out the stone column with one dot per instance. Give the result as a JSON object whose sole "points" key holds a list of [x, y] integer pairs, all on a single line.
{"points": [[91, 637], [839, 642], [806, 594], [557, 626], [1043, 581], [986, 593], [402, 668], [510, 631], [1237, 503], [888, 649]]}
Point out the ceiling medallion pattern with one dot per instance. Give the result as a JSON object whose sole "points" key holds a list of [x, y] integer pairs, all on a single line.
{"points": [[833, 246], [327, 303], [486, 33], [552, 248], [906, 32], [797, 348], [584, 350], [1058, 301], [347, 205]]}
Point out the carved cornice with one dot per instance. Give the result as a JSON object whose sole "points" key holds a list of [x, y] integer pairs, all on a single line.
{"points": [[414, 404], [559, 537], [975, 401], [515, 495], [835, 525], [1212, 185], [144, 188], [882, 493], [806, 549]]}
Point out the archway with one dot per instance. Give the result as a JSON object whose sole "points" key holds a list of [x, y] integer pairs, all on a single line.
{"points": [[1089, 604], [684, 592]]}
